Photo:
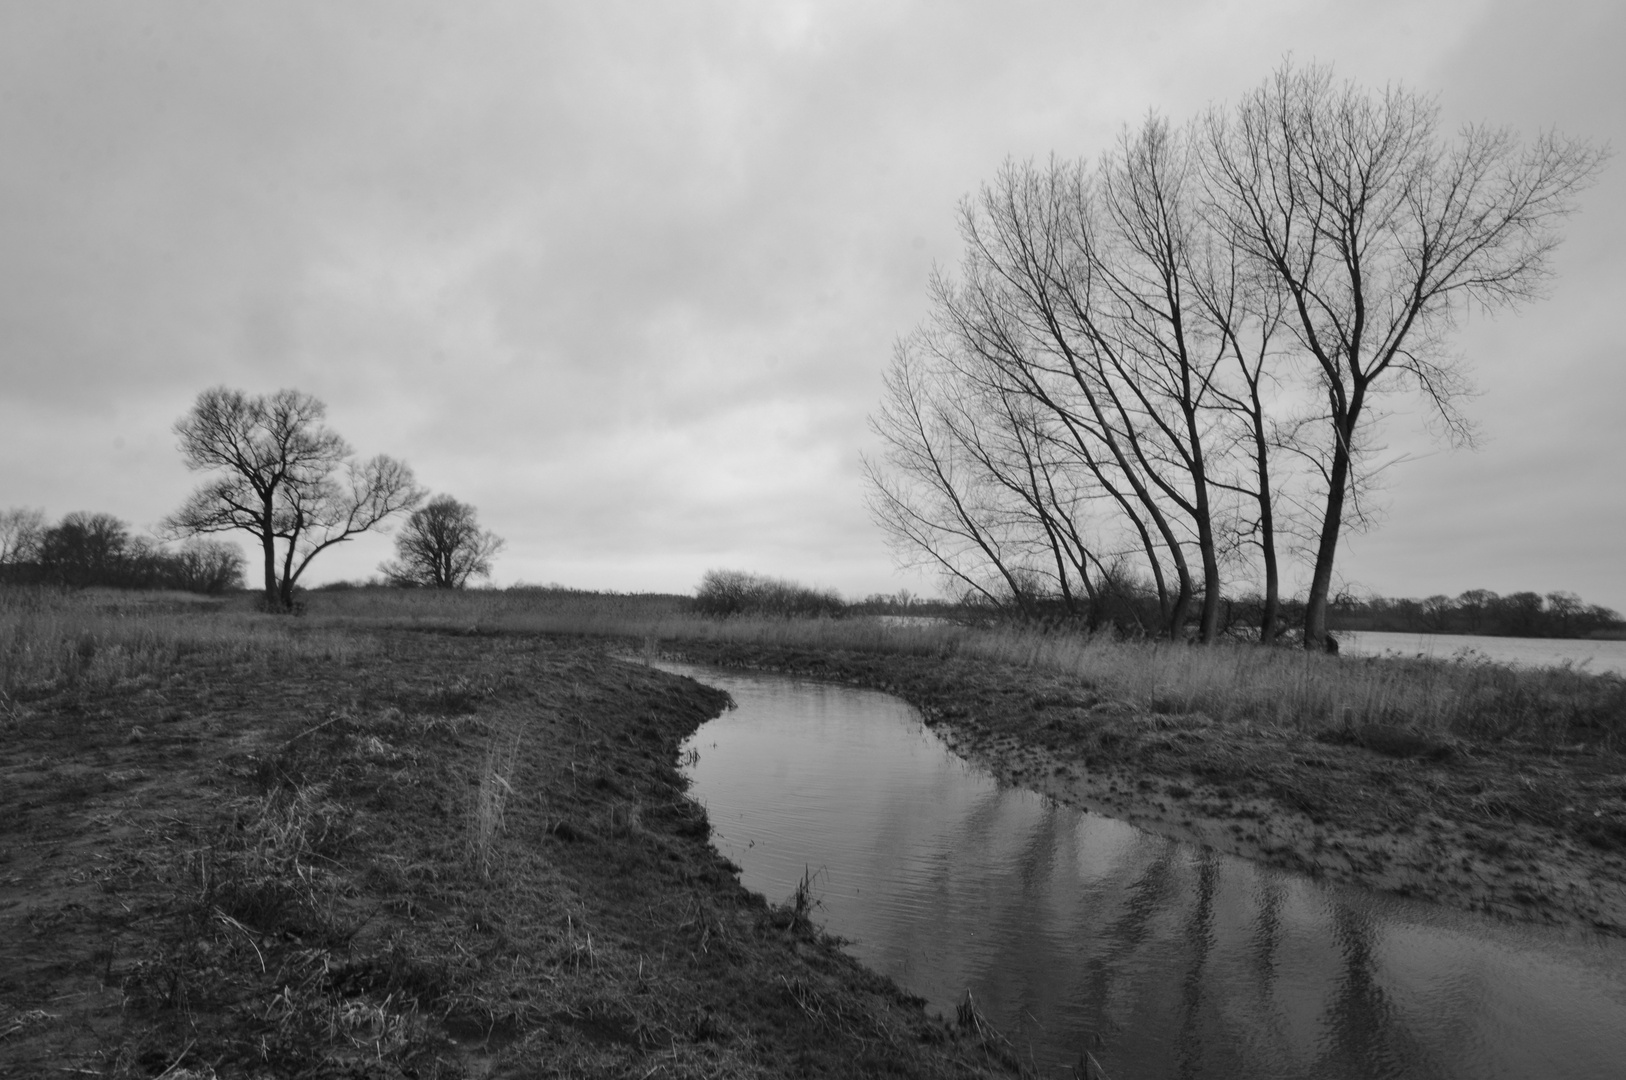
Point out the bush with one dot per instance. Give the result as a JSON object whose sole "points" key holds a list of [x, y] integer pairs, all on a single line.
{"points": [[89, 550], [205, 566], [735, 592]]}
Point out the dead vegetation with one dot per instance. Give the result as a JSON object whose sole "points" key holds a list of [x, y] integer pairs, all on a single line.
{"points": [[419, 855], [411, 836], [1464, 697]]}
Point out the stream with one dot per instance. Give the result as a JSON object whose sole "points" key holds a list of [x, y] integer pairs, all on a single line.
{"points": [[1074, 931]]}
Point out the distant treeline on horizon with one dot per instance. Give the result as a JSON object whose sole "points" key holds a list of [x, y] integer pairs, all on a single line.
{"points": [[1479, 611], [86, 550]]}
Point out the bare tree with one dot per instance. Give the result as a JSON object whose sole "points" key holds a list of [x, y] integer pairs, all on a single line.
{"points": [[923, 492], [1381, 233], [1077, 351], [1179, 354], [441, 547], [1245, 314], [20, 534], [282, 477]]}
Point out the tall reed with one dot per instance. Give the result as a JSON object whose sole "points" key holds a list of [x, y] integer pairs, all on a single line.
{"points": [[52, 639], [1232, 683]]}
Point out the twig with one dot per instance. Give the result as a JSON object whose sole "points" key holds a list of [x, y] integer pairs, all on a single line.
{"points": [[185, 1050], [334, 719], [240, 928]]}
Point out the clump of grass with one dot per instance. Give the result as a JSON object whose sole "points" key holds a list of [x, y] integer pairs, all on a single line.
{"points": [[796, 913], [272, 871], [968, 1018], [491, 796], [625, 820]]}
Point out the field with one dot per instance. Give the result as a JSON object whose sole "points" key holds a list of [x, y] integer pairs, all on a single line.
{"points": [[242, 845], [1463, 782], [421, 834]]}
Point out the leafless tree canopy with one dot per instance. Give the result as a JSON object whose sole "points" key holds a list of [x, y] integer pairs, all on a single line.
{"points": [[283, 477], [1168, 366], [441, 547], [20, 534]]}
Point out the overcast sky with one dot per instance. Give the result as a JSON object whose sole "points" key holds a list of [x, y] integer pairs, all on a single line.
{"points": [[627, 276]]}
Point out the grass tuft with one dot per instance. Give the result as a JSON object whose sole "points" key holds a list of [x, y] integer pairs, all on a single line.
{"points": [[491, 796]]}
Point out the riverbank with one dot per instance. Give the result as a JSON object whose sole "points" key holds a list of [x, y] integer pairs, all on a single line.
{"points": [[1530, 833], [371, 852], [207, 812]]}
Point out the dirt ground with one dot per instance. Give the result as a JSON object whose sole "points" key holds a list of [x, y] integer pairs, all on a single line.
{"points": [[425, 856], [1527, 833]]}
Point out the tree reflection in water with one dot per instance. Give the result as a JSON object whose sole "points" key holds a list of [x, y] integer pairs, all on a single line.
{"points": [[1076, 931]]}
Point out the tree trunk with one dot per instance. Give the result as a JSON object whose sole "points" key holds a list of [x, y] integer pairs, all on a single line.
{"points": [[1208, 628], [286, 592], [1182, 600], [268, 543], [1208, 632], [1273, 600], [1315, 611], [1267, 529]]}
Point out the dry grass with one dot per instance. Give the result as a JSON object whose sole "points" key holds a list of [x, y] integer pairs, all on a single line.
{"points": [[339, 861], [50, 640], [491, 795], [1231, 683]]}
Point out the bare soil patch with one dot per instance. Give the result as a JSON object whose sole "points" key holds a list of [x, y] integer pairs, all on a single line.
{"points": [[440, 855], [1530, 833]]}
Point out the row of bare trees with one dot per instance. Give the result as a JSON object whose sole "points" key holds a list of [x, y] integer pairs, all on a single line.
{"points": [[1170, 366]]}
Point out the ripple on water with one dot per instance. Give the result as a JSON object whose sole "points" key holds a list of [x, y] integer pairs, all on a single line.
{"points": [[1075, 930]]}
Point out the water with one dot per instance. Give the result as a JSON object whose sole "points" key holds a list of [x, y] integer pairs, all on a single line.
{"points": [[1593, 656], [1075, 931]]}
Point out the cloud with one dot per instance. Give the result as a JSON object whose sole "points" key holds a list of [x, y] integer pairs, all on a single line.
{"points": [[626, 276]]}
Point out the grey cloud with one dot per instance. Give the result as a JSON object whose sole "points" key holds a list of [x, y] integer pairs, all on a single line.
{"points": [[626, 275]]}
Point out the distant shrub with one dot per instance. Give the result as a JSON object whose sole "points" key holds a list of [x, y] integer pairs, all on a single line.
{"points": [[205, 566], [97, 550], [735, 592]]}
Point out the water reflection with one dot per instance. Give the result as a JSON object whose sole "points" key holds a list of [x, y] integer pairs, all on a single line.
{"points": [[1074, 930]]}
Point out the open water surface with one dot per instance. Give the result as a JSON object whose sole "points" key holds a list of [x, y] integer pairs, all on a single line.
{"points": [[1587, 654], [1074, 931]]}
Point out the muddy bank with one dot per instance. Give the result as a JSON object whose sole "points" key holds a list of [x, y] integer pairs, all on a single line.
{"points": [[1522, 832], [425, 855]]}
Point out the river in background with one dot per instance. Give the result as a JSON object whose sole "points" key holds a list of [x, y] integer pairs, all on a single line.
{"points": [[1073, 931], [1584, 653]]}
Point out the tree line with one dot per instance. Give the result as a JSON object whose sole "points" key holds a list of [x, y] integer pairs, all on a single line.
{"points": [[1479, 611], [1169, 368], [89, 549], [276, 472]]}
